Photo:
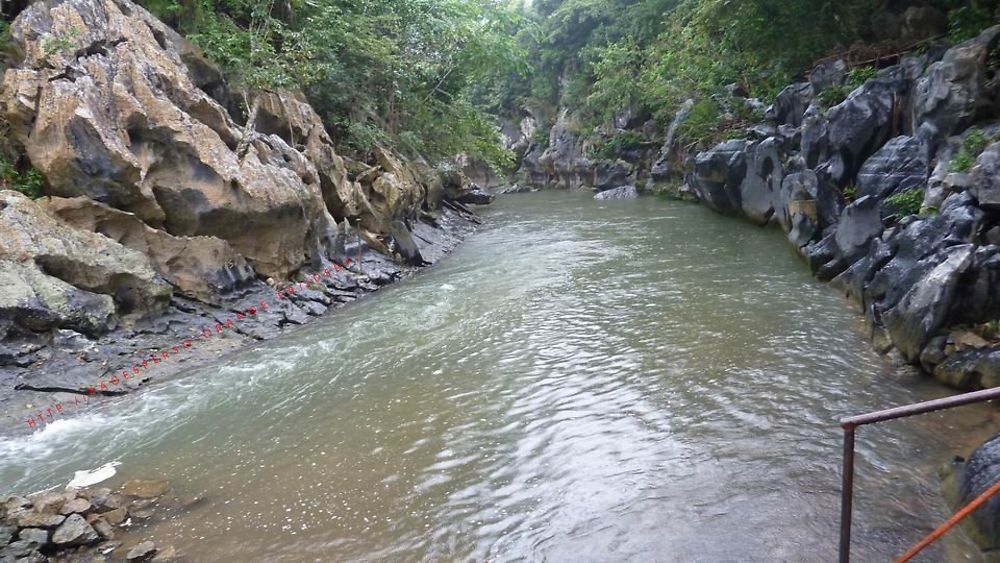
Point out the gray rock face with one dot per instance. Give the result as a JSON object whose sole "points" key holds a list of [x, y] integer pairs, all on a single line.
{"points": [[623, 192], [977, 298], [858, 226], [956, 89], [986, 178], [924, 308], [609, 174], [855, 128], [970, 370], [900, 165], [718, 174], [790, 104], [761, 189], [975, 476], [404, 243], [74, 531]]}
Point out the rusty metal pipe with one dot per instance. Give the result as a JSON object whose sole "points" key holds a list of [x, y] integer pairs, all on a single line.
{"points": [[922, 408], [850, 425]]}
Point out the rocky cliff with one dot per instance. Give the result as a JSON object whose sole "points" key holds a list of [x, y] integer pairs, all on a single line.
{"points": [[162, 210]]}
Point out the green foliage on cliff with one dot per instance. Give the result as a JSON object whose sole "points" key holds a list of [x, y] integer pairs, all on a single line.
{"points": [[906, 203], [404, 72], [28, 181], [616, 146]]}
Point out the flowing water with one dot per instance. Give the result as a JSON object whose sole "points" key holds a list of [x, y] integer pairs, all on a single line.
{"points": [[580, 381]]}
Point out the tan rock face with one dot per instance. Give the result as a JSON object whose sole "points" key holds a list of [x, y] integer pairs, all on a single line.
{"points": [[199, 267], [86, 260], [107, 109]]}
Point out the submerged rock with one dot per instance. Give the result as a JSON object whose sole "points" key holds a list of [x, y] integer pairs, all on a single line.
{"points": [[623, 192]]}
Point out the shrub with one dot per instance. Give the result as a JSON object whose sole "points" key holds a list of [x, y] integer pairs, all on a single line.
{"points": [[850, 192], [967, 22], [906, 203], [973, 145], [702, 124], [29, 182], [616, 146], [833, 95]]}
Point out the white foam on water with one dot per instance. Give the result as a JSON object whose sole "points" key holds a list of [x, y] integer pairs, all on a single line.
{"points": [[90, 477]]}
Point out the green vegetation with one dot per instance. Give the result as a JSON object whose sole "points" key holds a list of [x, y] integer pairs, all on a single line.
{"points": [[419, 75], [838, 92], [906, 203], [616, 146], [973, 145], [850, 193], [965, 22], [29, 182]]}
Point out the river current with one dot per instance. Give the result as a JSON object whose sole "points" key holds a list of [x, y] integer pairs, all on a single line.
{"points": [[579, 381]]}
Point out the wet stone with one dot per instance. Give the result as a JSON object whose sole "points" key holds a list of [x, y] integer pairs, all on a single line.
{"points": [[37, 535], [6, 534], [141, 552], [78, 506], [116, 516], [33, 520], [75, 531], [146, 489]]}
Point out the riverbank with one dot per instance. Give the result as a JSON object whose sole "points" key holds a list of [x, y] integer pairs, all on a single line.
{"points": [[77, 373]]}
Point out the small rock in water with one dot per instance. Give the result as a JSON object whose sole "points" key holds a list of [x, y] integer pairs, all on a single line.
{"points": [[624, 192], [141, 552], [75, 531], [116, 516], [146, 489]]}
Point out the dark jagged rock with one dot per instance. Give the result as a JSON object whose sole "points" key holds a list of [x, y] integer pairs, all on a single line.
{"points": [[956, 90], [977, 298], [623, 192], [404, 243], [74, 531], [858, 226], [609, 174], [838, 143], [986, 178], [761, 189], [970, 370], [901, 164], [969, 480], [925, 307], [790, 104], [718, 174]]}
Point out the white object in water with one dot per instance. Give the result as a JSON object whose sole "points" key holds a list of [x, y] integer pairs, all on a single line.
{"points": [[83, 479]]}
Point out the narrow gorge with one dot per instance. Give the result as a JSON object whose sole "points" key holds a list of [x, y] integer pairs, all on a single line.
{"points": [[673, 244]]}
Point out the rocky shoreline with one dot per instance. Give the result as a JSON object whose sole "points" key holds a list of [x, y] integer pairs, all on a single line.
{"points": [[888, 185], [77, 373], [89, 524], [169, 209]]}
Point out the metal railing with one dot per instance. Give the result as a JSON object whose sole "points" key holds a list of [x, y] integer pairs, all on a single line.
{"points": [[851, 424]]}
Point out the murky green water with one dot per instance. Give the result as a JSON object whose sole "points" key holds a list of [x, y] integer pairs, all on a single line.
{"points": [[580, 381]]}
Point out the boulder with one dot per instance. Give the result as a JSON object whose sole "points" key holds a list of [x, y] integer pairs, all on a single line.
{"points": [[477, 196], [403, 239], [977, 299], [829, 73], [141, 552], [761, 196], [986, 178], [718, 173], [970, 370], [900, 165], [860, 223], [609, 174], [925, 307], [974, 476], [790, 104], [125, 125], [74, 531], [922, 22], [39, 302], [956, 90], [199, 267], [88, 261], [623, 192], [837, 144]]}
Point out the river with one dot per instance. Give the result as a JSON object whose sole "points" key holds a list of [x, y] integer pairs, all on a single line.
{"points": [[579, 381]]}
